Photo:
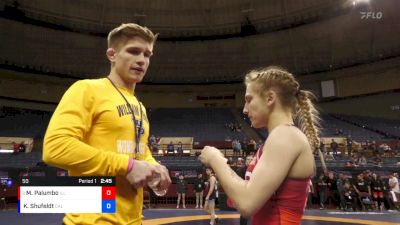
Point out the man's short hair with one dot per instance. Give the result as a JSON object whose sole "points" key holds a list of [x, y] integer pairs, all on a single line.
{"points": [[127, 31]]}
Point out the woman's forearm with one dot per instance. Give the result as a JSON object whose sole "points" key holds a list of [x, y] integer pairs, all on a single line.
{"points": [[234, 186]]}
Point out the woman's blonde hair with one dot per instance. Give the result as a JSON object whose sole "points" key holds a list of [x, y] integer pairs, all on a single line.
{"points": [[291, 96]]}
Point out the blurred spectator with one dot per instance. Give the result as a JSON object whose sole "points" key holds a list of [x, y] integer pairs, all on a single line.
{"points": [[362, 161], [338, 131], [349, 164], [340, 187], [329, 157], [367, 175], [199, 189], [22, 147], [394, 182], [377, 188], [181, 191], [378, 161], [153, 144], [362, 188], [388, 194], [170, 148], [241, 171], [384, 149], [394, 190], [152, 139], [240, 163], [310, 194], [259, 144], [234, 127], [372, 146], [236, 147], [322, 147], [243, 144], [331, 183], [334, 147], [179, 149], [238, 127], [231, 162], [231, 127], [15, 148], [349, 195], [396, 150], [154, 147], [321, 184], [355, 159], [349, 143], [251, 146]]}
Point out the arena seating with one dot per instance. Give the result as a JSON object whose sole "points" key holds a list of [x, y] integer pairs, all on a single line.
{"points": [[202, 124], [386, 126], [330, 125], [20, 160], [23, 123]]}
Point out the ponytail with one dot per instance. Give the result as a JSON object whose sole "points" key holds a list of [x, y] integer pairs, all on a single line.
{"points": [[308, 120]]}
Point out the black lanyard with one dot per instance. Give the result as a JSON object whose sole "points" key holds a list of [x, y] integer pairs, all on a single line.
{"points": [[136, 124]]}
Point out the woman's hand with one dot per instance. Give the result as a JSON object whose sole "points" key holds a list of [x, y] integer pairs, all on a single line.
{"points": [[208, 154], [206, 204]]}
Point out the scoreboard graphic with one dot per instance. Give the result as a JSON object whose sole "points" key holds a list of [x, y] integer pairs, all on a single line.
{"points": [[67, 195]]}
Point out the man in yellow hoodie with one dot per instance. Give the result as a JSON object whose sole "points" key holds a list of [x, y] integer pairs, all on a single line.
{"points": [[101, 129]]}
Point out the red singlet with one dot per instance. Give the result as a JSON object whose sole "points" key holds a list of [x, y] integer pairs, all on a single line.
{"points": [[286, 205]]}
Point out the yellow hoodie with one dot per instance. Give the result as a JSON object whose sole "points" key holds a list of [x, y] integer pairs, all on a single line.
{"points": [[91, 134]]}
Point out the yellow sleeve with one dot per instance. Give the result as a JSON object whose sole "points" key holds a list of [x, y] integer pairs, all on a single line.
{"points": [[149, 157], [63, 143]]}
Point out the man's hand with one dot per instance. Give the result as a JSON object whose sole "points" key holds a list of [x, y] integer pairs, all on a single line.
{"points": [[165, 180], [141, 173]]}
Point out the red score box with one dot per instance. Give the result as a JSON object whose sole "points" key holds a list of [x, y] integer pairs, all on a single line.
{"points": [[108, 193]]}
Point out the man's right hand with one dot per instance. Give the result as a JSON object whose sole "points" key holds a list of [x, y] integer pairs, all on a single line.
{"points": [[141, 173], [165, 180]]}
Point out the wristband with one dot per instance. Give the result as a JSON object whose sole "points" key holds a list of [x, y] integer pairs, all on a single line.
{"points": [[130, 165]]}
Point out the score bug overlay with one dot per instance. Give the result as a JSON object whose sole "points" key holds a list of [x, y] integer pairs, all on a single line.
{"points": [[67, 195]]}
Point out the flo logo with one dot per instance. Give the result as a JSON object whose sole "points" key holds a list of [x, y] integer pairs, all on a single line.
{"points": [[371, 15]]}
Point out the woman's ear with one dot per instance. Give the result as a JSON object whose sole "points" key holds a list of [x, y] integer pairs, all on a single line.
{"points": [[270, 97]]}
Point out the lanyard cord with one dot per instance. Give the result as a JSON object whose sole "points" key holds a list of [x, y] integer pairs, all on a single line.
{"points": [[137, 127]]}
